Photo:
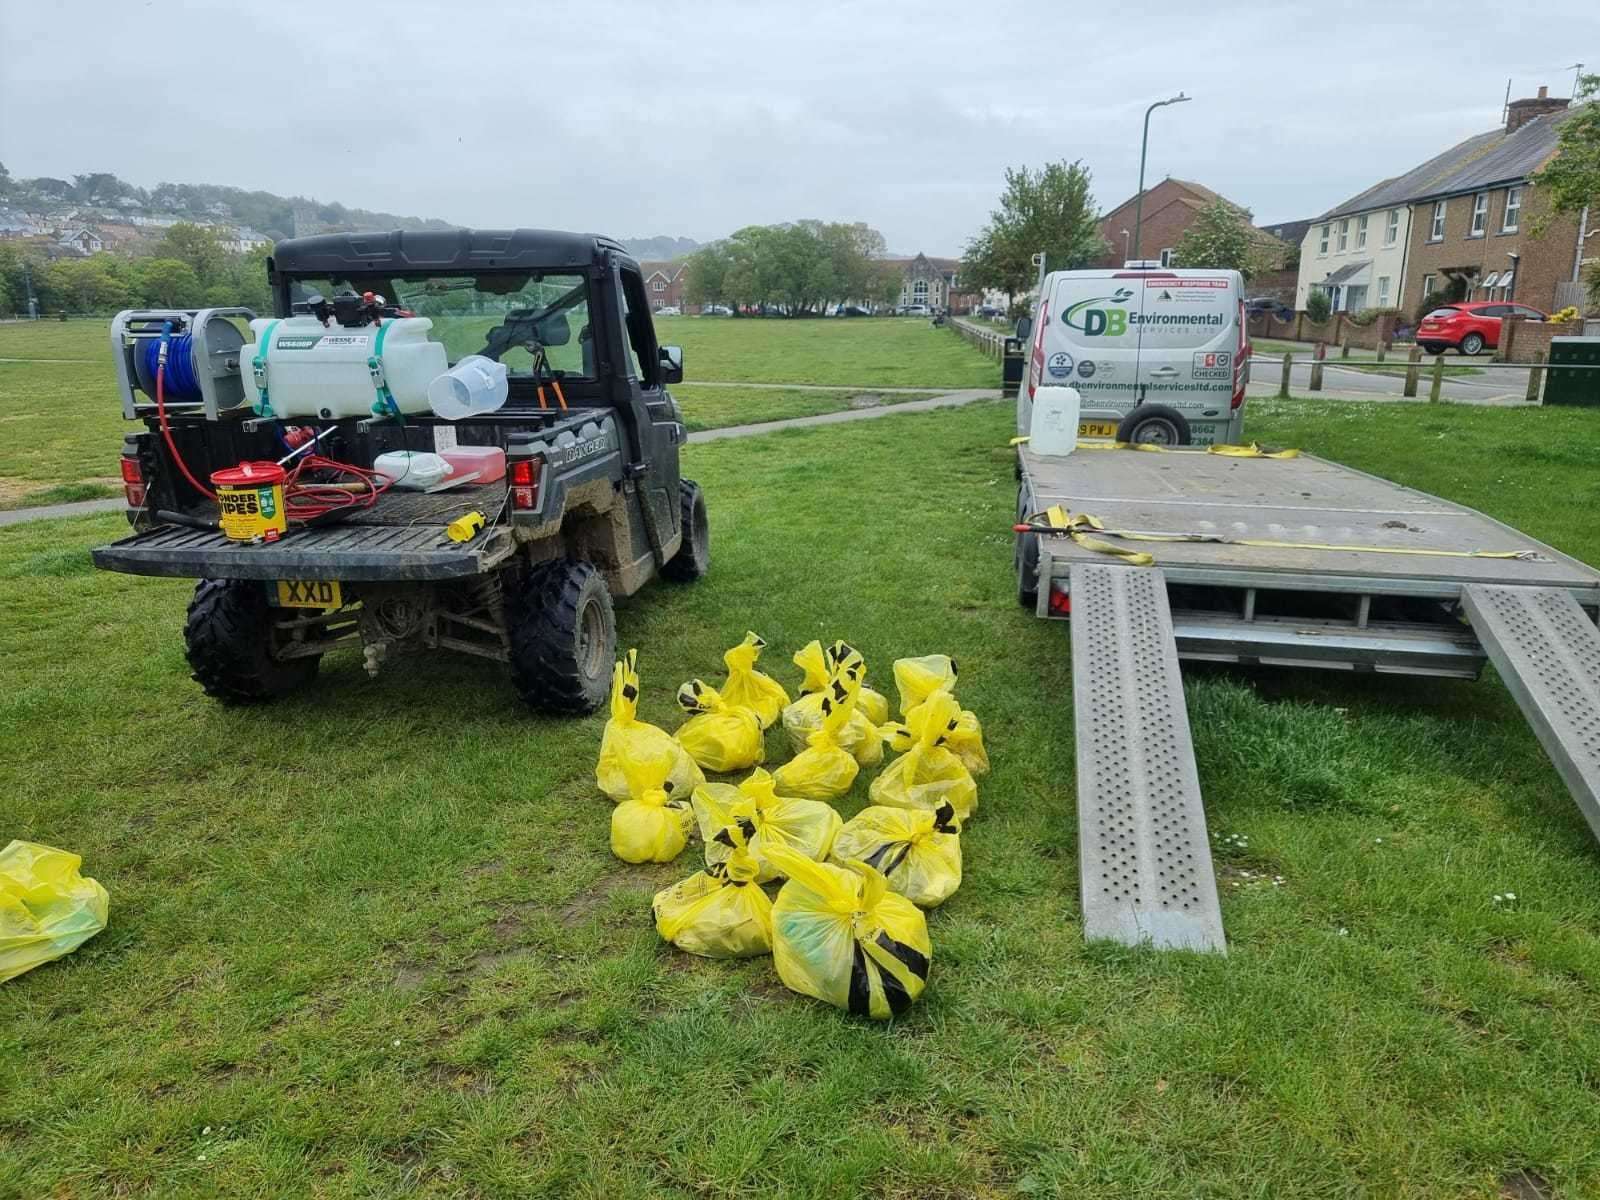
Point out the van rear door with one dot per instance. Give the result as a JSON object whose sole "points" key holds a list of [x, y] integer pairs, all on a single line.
{"points": [[1092, 344], [1189, 342]]}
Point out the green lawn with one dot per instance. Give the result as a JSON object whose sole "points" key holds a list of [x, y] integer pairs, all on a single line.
{"points": [[63, 423], [361, 949], [866, 352], [1358, 359], [716, 407]]}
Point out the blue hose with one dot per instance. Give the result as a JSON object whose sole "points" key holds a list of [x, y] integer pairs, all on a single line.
{"points": [[180, 382]]}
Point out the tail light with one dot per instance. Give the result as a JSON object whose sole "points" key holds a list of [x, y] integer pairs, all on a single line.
{"points": [[524, 475], [1241, 361], [1060, 601], [133, 481], [1036, 359]]}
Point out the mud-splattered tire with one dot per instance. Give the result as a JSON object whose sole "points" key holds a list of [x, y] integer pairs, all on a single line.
{"points": [[230, 644], [563, 638], [693, 558]]}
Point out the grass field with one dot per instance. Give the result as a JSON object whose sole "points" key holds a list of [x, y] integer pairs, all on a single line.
{"points": [[63, 424], [362, 949]]}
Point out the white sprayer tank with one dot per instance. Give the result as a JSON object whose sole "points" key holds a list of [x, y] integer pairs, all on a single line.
{"points": [[1054, 430], [322, 371]]}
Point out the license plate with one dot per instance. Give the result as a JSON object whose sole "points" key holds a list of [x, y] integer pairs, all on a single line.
{"points": [[1096, 429], [309, 593]]}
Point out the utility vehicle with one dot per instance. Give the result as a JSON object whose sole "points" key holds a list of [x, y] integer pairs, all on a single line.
{"points": [[591, 505]]}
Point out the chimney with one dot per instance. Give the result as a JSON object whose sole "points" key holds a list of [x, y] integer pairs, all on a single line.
{"points": [[1520, 112]]}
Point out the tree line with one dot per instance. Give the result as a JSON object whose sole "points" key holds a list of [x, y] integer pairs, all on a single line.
{"points": [[799, 269], [189, 268], [268, 212]]}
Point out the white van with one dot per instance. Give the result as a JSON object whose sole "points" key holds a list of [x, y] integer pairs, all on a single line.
{"points": [[1157, 354]]}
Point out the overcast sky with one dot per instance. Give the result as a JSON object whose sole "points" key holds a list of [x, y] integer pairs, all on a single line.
{"points": [[692, 120]]}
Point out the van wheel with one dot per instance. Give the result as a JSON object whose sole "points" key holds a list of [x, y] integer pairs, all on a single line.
{"points": [[232, 641], [1154, 424], [563, 638]]}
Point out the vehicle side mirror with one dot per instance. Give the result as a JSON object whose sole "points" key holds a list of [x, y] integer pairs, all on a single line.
{"points": [[1024, 329], [672, 364]]}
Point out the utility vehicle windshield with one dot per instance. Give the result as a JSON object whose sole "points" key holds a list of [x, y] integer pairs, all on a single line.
{"points": [[532, 322]]}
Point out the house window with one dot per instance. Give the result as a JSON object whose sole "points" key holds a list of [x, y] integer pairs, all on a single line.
{"points": [[658, 285], [1391, 230], [919, 291], [1361, 232], [1513, 210], [1427, 286], [1166, 257], [1344, 235], [1436, 233], [1480, 214], [1383, 291], [1322, 243]]}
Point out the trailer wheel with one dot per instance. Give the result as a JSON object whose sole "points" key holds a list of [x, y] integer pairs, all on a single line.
{"points": [[563, 638], [233, 644], [693, 558], [1026, 557], [1155, 424]]}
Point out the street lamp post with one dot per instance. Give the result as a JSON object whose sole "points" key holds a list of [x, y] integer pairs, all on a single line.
{"points": [[1144, 144]]}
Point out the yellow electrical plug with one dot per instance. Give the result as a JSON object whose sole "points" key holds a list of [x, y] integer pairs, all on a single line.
{"points": [[466, 527]]}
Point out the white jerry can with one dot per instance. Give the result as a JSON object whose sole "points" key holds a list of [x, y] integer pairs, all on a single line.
{"points": [[1054, 430], [324, 371]]}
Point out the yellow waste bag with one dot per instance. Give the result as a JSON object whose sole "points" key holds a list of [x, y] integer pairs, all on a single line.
{"points": [[803, 718], [873, 705], [653, 824], [919, 852], [720, 736], [747, 686], [919, 678], [840, 934], [824, 770], [720, 912], [763, 817], [626, 737], [928, 774], [47, 909]]}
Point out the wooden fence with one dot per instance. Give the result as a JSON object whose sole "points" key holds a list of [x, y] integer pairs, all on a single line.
{"points": [[991, 341]]}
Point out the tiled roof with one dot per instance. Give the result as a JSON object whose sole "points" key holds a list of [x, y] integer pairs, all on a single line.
{"points": [[1516, 156], [1481, 160]]}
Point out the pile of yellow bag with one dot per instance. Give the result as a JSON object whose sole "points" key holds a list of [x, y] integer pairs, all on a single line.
{"points": [[847, 925]]}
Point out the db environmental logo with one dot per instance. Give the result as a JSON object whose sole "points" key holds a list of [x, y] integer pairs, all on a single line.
{"points": [[1099, 322]]}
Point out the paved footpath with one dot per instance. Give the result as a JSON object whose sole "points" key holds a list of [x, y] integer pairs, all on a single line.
{"points": [[85, 508]]}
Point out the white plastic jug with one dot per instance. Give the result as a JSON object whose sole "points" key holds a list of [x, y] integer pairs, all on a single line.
{"points": [[316, 370], [474, 385], [1054, 429]]}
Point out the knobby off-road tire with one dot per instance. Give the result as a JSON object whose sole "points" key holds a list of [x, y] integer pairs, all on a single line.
{"points": [[229, 642], [693, 558], [563, 638]]}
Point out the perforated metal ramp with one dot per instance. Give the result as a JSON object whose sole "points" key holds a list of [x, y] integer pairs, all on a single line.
{"points": [[1143, 851], [1547, 651]]}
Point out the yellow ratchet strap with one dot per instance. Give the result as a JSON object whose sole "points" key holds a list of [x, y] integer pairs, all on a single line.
{"points": [[1075, 523], [1253, 450]]}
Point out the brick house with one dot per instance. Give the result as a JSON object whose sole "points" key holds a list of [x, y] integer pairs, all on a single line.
{"points": [[1474, 226], [1170, 207], [664, 282]]}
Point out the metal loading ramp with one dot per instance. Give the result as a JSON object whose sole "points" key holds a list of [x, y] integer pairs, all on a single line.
{"points": [[1144, 855], [1547, 651]]}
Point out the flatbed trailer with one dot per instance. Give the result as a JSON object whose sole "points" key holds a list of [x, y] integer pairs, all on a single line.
{"points": [[1276, 561]]}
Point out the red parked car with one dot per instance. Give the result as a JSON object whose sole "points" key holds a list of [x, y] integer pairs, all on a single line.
{"points": [[1470, 328]]}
